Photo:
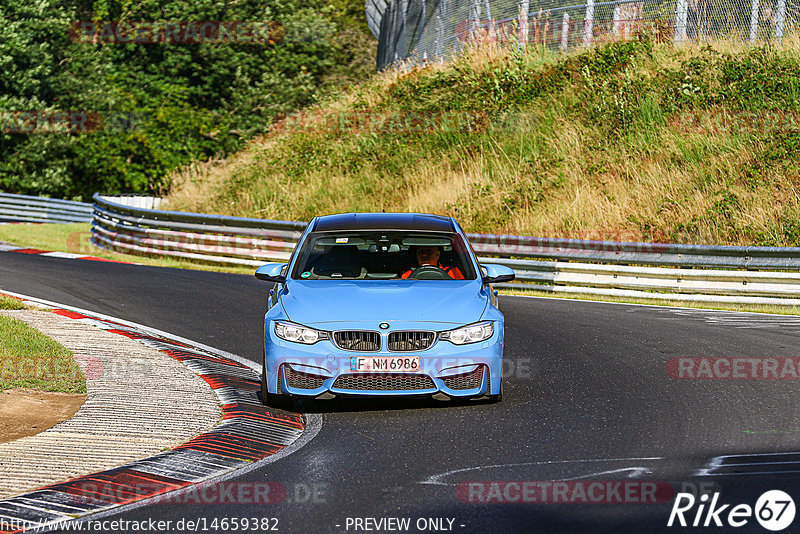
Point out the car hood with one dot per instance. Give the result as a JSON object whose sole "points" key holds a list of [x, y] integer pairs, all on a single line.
{"points": [[314, 302]]}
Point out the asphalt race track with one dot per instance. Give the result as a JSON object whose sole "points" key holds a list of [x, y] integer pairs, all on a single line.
{"points": [[587, 397]]}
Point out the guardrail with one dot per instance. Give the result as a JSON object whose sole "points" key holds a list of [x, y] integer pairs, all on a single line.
{"points": [[24, 208], [683, 272], [194, 236]]}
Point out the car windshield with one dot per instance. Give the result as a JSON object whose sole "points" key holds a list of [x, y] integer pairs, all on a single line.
{"points": [[384, 255]]}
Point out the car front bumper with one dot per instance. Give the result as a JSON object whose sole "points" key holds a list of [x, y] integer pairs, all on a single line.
{"points": [[316, 370]]}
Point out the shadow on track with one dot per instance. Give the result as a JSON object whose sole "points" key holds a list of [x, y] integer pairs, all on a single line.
{"points": [[372, 404]]}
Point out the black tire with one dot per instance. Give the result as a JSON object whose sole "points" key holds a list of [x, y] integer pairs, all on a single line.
{"points": [[277, 400], [282, 402], [265, 394], [494, 399]]}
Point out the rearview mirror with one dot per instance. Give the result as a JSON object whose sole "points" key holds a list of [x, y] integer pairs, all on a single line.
{"points": [[272, 272], [495, 273]]}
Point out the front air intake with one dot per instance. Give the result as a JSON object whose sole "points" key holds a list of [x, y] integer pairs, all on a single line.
{"points": [[384, 382], [358, 340], [410, 341]]}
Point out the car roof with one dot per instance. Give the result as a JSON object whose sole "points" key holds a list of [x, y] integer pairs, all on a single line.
{"points": [[384, 221]]}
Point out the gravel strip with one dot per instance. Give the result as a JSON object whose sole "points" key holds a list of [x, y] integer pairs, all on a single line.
{"points": [[140, 402]]}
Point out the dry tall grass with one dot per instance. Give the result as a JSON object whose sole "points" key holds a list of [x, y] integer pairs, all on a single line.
{"points": [[553, 175]]}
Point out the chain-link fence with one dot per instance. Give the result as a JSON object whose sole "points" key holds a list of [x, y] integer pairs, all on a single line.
{"points": [[430, 30]]}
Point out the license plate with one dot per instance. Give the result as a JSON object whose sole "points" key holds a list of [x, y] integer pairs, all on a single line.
{"points": [[384, 364]]}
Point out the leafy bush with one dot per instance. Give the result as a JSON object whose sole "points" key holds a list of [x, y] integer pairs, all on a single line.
{"points": [[190, 101]]}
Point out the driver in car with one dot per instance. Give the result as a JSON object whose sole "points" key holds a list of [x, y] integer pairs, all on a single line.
{"points": [[430, 256]]}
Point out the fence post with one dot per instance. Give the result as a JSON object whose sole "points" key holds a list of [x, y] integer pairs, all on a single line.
{"points": [[420, 27], [524, 29], [402, 35], [681, 14], [489, 19], [440, 14], [615, 21], [565, 31], [753, 21], [475, 19], [588, 23], [780, 19]]}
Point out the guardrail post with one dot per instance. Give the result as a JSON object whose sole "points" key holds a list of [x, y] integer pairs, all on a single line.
{"points": [[753, 21], [780, 20], [565, 31], [681, 14], [588, 23], [524, 29]]}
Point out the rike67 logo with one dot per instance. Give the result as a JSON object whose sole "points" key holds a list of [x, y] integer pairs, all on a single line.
{"points": [[774, 510]]}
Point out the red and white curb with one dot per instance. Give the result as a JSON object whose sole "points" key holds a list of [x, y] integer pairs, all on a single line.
{"points": [[249, 434], [68, 255]]}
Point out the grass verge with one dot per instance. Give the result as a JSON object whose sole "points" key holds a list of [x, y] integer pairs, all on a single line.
{"points": [[29, 359], [74, 238], [10, 303]]}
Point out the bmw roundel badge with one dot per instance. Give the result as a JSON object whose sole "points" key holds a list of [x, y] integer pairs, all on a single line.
{"points": [[384, 326]]}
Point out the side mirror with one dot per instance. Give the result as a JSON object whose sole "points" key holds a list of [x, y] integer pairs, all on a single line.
{"points": [[496, 273], [272, 272]]}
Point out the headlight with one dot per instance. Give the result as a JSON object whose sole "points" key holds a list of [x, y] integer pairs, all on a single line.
{"points": [[298, 333], [469, 334]]}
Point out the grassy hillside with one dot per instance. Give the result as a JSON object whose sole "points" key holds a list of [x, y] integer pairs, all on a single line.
{"points": [[146, 101], [630, 141]]}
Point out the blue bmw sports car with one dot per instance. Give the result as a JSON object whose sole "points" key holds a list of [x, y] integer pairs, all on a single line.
{"points": [[382, 304]]}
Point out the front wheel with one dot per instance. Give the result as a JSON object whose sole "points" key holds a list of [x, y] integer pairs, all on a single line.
{"points": [[276, 400], [265, 394], [282, 402], [493, 399]]}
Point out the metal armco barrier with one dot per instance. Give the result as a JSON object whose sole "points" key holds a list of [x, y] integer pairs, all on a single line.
{"points": [[646, 270], [24, 208], [193, 236]]}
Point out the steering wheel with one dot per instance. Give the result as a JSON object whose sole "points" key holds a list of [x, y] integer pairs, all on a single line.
{"points": [[429, 272]]}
